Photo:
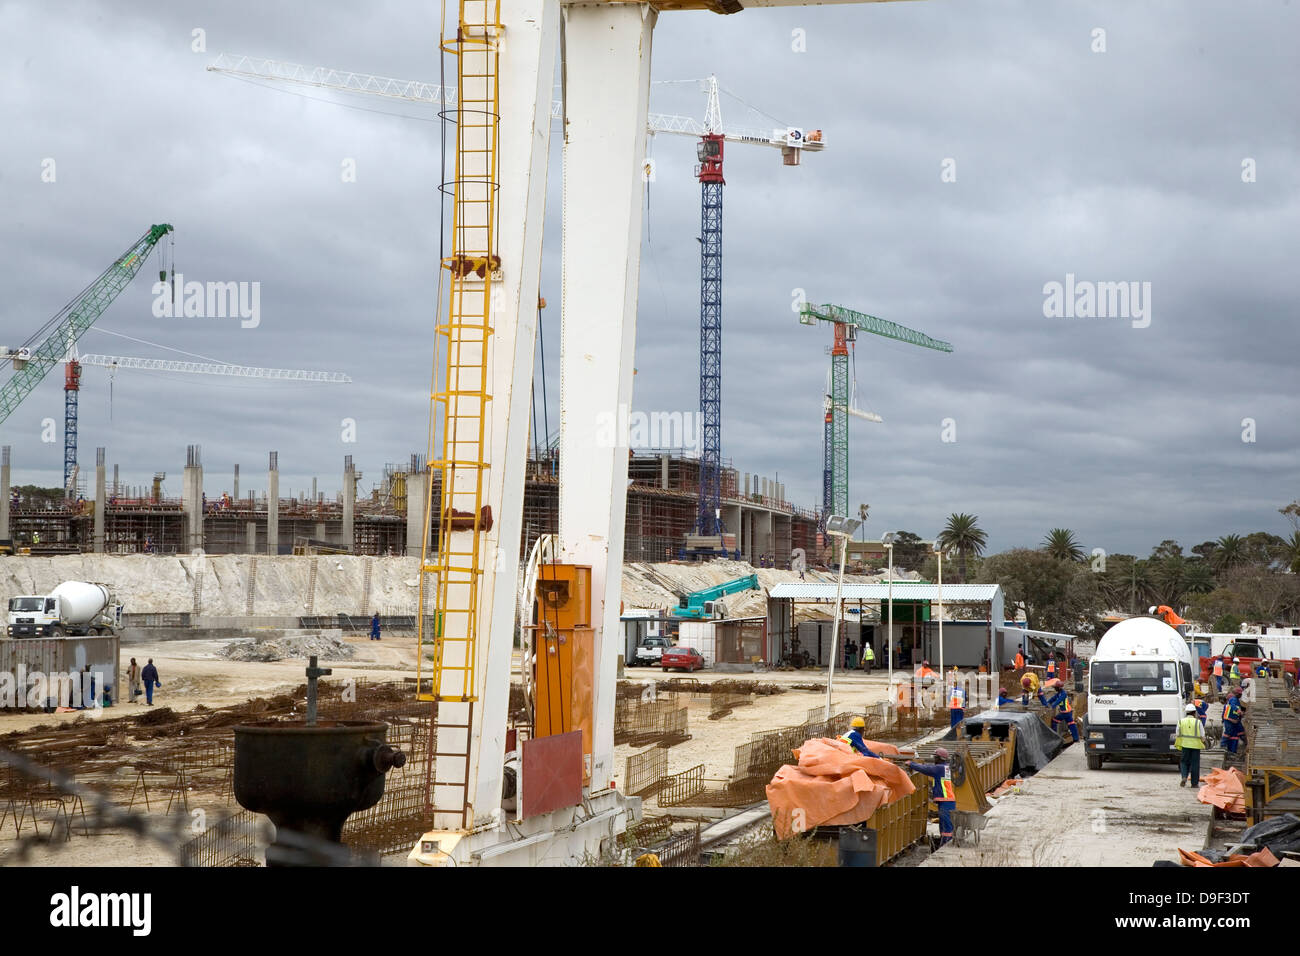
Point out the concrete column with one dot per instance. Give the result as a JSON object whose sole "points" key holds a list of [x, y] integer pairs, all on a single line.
{"points": [[416, 516], [252, 537], [663, 471], [349, 502], [4, 493], [192, 498], [313, 491], [115, 484], [234, 492], [273, 506], [320, 530], [101, 501]]}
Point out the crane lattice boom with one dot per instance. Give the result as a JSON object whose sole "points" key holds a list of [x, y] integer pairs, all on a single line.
{"points": [[215, 368]]}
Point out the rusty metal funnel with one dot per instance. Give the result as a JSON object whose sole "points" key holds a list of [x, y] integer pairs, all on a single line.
{"points": [[309, 776]]}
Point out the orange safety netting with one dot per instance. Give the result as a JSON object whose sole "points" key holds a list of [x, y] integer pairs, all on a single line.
{"points": [[1258, 858], [1224, 789], [831, 785]]}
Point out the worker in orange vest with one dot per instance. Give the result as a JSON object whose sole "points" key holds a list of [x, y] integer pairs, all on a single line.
{"points": [[1020, 658], [1218, 675], [956, 701], [1051, 665]]}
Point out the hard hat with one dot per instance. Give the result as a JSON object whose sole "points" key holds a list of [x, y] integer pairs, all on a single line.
{"points": [[1236, 660], [1190, 708], [940, 753], [925, 663], [1151, 609], [858, 722]]}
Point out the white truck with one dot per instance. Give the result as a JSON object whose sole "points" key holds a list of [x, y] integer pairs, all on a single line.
{"points": [[74, 608], [1139, 682]]}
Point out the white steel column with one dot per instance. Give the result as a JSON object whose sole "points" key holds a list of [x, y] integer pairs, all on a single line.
{"points": [[528, 50], [607, 93]]}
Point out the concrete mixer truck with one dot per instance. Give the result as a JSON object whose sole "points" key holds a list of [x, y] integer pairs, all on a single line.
{"points": [[74, 608]]}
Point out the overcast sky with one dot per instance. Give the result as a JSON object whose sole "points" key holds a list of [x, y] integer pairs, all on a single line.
{"points": [[1122, 165]]}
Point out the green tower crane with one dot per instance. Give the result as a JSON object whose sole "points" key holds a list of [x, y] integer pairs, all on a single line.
{"points": [[847, 323], [53, 341]]}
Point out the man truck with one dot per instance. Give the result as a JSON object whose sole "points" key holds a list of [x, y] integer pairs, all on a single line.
{"points": [[1140, 680], [74, 608]]}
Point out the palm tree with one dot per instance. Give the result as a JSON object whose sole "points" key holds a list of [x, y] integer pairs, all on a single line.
{"points": [[962, 535], [1061, 544], [1229, 550], [1289, 553]]}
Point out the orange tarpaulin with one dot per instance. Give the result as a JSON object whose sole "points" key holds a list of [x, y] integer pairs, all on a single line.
{"points": [[1258, 858], [1224, 789], [831, 785]]}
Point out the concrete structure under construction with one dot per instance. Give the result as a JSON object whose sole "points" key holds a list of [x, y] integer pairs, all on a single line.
{"points": [[762, 528]]}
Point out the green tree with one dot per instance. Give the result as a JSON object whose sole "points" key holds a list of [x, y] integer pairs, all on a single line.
{"points": [[1289, 554], [909, 551], [963, 535], [1229, 551], [1061, 544], [1054, 595]]}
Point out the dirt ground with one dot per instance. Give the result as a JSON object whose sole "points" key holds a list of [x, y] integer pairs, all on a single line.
{"points": [[194, 673]]}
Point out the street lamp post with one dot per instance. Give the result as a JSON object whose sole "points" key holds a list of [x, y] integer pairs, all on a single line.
{"points": [[841, 527], [888, 540]]}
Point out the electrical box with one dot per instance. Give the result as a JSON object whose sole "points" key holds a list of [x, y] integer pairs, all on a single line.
{"points": [[564, 650]]}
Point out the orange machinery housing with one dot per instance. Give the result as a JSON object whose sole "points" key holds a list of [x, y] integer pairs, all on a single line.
{"points": [[564, 643]]}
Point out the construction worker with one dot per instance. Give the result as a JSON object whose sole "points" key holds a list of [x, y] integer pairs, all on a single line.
{"points": [[943, 793], [956, 701], [868, 656], [1190, 742], [1051, 666], [1261, 669], [374, 627], [1004, 699], [1202, 710], [1166, 614], [1020, 657], [923, 672], [850, 654], [1233, 731], [1234, 674], [1218, 675], [1059, 703], [854, 738], [150, 676], [1029, 683], [133, 680]]}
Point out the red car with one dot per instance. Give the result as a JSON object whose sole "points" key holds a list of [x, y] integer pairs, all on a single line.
{"points": [[681, 658]]}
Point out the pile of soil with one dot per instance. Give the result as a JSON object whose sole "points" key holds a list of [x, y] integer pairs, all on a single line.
{"points": [[325, 648]]}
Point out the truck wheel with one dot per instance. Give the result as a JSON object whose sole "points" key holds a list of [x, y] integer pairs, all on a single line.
{"points": [[57, 632], [1094, 761], [93, 632]]}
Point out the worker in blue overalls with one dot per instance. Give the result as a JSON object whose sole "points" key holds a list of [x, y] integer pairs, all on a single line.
{"points": [[1059, 703], [1051, 665], [1202, 711], [1261, 669], [1004, 699], [854, 738], [943, 793], [1233, 731]]}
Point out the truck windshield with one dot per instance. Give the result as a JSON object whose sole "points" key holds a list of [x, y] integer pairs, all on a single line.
{"points": [[1134, 677], [25, 604]]}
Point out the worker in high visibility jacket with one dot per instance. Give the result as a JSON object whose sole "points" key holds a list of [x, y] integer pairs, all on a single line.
{"points": [[1261, 669], [1020, 657], [854, 738], [1218, 675], [1166, 614], [1202, 710], [1051, 666], [1189, 743], [925, 672], [1234, 674], [1059, 704], [942, 792], [1233, 730], [956, 701], [868, 656]]}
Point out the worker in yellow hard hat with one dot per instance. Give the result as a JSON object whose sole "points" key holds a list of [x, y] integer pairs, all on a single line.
{"points": [[854, 738]]}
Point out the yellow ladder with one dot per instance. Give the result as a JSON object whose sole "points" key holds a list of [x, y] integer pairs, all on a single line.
{"points": [[452, 576]]}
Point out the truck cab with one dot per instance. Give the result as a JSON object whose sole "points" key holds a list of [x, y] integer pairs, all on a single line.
{"points": [[1140, 679], [34, 615]]}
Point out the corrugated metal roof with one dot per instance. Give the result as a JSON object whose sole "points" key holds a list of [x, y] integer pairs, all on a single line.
{"points": [[903, 591]]}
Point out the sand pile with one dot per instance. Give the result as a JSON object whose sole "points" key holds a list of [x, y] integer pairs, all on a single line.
{"points": [[325, 648]]}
